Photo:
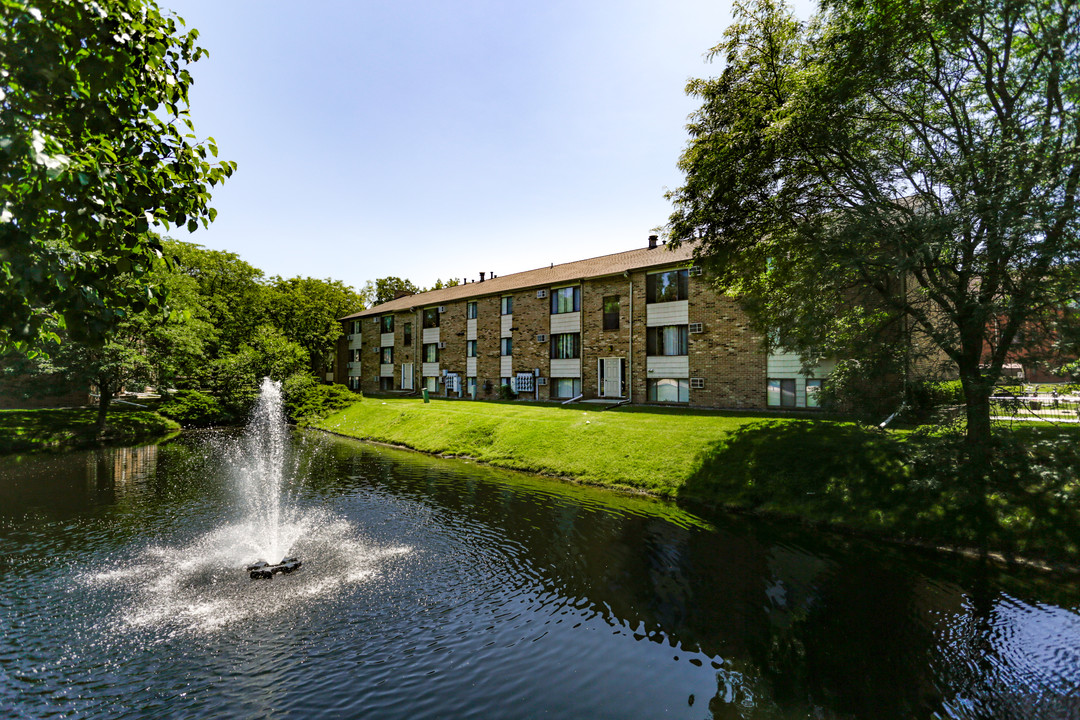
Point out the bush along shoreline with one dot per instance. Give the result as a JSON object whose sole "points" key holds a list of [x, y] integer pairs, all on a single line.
{"points": [[45, 430], [911, 486]]}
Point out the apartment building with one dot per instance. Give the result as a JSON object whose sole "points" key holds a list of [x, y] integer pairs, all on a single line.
{"points": [[642, 326]]}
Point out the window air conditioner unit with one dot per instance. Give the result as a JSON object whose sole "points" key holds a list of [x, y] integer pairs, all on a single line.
{"points": [[541, 338], [541, 381], [697, 383], [442, 346], [696, 328], [376, 350], [696, 270], [442, 308], [375, 320], [541, 294]]}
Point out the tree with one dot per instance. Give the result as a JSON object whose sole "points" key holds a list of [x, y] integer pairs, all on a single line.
{"points": [[96, 147], [150, 346], [232, 291], [308, 310], [386, 289], [906, 165]]}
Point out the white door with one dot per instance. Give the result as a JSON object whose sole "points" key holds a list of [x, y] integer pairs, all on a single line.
{"points": [[611, 377], [406, 376]]}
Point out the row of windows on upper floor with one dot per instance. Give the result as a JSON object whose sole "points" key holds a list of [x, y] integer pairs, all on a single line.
{"points": [[665, 340], [667, 286]]}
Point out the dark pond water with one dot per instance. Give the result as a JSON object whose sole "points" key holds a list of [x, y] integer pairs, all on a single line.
{"points": [[439, 589]]}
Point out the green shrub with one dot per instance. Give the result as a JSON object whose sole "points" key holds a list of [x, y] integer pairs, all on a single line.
{"points": [[305, 397], [507, 393], [192, 408]]}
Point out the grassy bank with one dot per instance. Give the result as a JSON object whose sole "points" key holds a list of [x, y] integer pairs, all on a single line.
{"points": [[50, 429], [897, 484], [653, 449]]}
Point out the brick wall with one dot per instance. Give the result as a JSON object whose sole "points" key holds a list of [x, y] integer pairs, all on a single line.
{"points": [[728, 354]]}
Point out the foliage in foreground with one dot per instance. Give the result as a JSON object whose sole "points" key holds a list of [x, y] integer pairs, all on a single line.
{"points": [[97, 145], [33, 430]]}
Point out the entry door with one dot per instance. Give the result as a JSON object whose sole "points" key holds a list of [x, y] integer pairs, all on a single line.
{"points": [[406, 376], [611, 377]]}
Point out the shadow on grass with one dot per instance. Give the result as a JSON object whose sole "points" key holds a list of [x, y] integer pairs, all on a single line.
{"points": [[917, 487]]}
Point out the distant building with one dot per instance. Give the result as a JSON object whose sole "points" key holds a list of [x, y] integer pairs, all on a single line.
{"points": [[641, 326]]}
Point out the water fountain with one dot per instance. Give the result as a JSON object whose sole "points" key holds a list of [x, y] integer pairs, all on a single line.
{"points": [[261, 466]]}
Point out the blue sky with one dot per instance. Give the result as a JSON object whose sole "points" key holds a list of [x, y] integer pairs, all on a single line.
{"points": [[433, 140]]}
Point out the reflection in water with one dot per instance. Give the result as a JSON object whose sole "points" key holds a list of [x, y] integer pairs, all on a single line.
{"points": [[517, 597]]}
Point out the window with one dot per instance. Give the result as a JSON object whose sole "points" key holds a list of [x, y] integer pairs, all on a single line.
{"points": [[431, 352], [386, 383], [666, 286], [668, 390], [387, 356], [356, 326], [566, 387], [506, 346], [406, 332], [431, 317], [470, 348], [387, 323], [566, 346], [813, 387], [611, 312], [506, 305], [781, 393], [356, 355], [470, 386], [470, 310], [666, 340], [564, 300]]}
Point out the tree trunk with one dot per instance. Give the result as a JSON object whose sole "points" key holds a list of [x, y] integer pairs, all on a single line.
{"points": [[104, 399], [976, 463]]}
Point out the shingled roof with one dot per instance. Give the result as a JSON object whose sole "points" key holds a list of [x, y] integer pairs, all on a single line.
{"points": [[541, 277]]}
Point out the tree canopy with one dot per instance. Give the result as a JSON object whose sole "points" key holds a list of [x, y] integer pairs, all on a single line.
{"points": [[96, 148], [911, 168]]}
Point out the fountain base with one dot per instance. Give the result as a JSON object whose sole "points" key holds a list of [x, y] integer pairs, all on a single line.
{"points": [[265, 571]]}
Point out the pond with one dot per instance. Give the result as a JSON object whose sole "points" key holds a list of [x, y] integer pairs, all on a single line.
{"points": [[438, 588]]}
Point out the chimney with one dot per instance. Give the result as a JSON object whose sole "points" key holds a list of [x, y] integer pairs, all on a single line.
{"points": [[482, 277], [652, 241]]}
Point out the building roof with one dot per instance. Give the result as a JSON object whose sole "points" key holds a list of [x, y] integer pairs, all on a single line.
{"points": [[541, 277]]}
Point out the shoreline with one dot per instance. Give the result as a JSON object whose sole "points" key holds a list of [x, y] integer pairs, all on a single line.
{"points": [[998, 558]]}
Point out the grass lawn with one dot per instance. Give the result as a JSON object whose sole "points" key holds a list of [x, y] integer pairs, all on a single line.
{"points": [[896, 483], [47, 429], [651, 449]]}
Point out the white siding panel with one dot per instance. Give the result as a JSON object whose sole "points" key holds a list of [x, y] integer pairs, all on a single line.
{"points": [[667, 313], [664, 366], [431, 335], [566, 368], [386, 339], [566, 323], [470, 367], [354, 342], [787, 365], [506, 322], [470, 329], [430, 369], [506, 365], [386, 370]]}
